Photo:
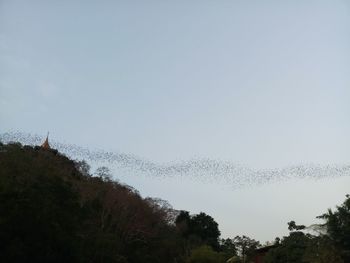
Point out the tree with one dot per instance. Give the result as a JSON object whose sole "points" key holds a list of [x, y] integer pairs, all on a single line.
{"points": [[183, 221], [39, 217], [293, 226], [200, 229], [320, 249], [245, 246], [290, 250], [53, 210], [205, 254], [227, 246], [205, 227], [338, 227], [83, 167], [104, 173]]}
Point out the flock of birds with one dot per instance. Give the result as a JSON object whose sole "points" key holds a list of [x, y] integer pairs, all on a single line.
{"points": [[205, 170]]}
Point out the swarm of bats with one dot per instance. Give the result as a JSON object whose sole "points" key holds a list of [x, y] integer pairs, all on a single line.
{"points": [[205, 170]]}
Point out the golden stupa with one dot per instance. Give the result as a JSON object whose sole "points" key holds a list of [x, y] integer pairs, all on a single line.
{"points": [[46, 144]]}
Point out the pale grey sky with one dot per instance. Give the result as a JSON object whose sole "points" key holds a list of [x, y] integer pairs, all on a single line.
{"points": [[264, 84]]}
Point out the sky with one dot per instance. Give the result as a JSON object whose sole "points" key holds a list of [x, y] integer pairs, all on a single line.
{"points": [[262, 84]]}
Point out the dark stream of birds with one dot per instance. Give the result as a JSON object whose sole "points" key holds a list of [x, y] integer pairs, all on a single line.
{"points": [[202, 170]]}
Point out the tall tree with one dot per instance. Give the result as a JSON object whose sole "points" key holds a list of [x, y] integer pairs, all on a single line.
{"points": [[338, 227], [205, 227], [245, 246]]}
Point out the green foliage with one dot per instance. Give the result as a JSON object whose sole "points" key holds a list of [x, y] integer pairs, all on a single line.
{"points": [[200, 229], [228, 246], [290, 250], [338, 227], [205, 254], [322, 250], [301, 247], [331, 247], [183, 223], [246, 247], [205, 227]]}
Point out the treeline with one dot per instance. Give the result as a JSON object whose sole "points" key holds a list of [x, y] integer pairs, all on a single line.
{"points": [[331, 244], [52, 209]]}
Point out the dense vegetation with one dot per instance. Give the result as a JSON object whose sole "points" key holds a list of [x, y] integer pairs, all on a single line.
{"points": [[53, 210], [331, 245]]}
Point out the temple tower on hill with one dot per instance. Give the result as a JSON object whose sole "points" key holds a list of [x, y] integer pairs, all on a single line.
{"points": [[46, 144]]}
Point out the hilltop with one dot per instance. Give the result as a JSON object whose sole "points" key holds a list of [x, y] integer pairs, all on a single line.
{"points": [[54, 210]]}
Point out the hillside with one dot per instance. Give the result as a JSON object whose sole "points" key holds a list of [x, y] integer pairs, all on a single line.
{"points": [[53, 210]]}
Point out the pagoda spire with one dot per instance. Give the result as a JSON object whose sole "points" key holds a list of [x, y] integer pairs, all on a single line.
{"points": [[46, 144]]}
